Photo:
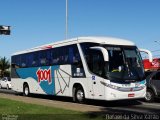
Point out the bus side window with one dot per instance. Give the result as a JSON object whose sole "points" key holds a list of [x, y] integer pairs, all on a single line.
{"points": [[35, 61], [48, 60], [66, 55], [96, 63], [29, 59], [63, 55], [23, 61], [43, 57], [76, 63], [59, 56], [15, 62], [54, 56], [74, 56]]}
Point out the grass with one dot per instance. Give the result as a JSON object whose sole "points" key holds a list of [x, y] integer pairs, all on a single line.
{"points": [[25, 111]]}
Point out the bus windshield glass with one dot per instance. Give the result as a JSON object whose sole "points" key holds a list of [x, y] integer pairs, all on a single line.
{"points": [[125, 63]]}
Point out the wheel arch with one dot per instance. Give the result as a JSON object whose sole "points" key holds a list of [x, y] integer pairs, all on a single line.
{"points": [[77, 84], [25, 83], [152, 88]]}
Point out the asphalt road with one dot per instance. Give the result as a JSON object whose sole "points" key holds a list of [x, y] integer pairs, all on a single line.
{"points": [[134, 109]]}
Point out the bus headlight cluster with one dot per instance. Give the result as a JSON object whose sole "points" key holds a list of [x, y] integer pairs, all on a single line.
{"points": [[110, 86], [123, 89], [113, 86]]}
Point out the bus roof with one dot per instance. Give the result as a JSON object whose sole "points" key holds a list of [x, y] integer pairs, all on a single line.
{"points": [[100, 40]]}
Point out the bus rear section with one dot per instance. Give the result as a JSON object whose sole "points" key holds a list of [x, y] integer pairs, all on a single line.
{"points": [[47, 71]]}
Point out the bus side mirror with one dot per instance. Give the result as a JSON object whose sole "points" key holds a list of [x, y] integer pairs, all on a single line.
{"points": [[149, 54], [104, 52]]}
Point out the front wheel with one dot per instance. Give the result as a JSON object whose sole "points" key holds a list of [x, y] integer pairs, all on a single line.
{"points": [[149, 96], [79, 95], [26, 90], [7, 87]]}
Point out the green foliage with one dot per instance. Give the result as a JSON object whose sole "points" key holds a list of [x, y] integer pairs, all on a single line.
{"points": [[25, 111], [4, 67]]}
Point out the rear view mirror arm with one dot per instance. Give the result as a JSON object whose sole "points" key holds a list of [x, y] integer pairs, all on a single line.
{"points": [[103, 50]]}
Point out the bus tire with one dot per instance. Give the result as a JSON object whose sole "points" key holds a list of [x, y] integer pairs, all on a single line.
{"points": [[149, 96], [79, 95], [7, 87], [26, 91]]}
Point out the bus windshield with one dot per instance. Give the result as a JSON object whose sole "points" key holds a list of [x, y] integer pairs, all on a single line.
{"points": [[125, 63]]}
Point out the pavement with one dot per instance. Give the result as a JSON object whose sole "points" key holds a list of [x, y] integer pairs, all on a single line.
{"points": [[125, 107]]}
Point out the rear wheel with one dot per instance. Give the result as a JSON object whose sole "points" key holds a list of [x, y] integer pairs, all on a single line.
{"points": [[149, 96], [26, 90], [0, 86]]}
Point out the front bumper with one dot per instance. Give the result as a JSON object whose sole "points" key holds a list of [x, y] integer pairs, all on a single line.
{"points": [[112, 94]]}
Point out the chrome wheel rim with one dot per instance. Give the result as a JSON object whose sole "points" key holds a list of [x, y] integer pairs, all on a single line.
{"points": [[80, 95], [7, 87], [148, 96], [26, 91]]}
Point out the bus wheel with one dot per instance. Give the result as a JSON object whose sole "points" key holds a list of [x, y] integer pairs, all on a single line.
{"points": [[26, 90], [149, 96], [79, 95]]}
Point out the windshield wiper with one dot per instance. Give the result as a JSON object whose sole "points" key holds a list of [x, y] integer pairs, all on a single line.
{"points": [[128, 69], [133, 70]]}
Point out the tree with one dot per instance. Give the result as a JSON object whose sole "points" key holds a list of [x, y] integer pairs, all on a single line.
{"points": [[4, 66]]}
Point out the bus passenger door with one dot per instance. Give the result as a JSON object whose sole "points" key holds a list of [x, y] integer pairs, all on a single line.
{"points": [[98, 88], [97, 69]]}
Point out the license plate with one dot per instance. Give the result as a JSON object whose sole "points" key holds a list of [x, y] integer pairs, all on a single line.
{"points": [[131, 95]]}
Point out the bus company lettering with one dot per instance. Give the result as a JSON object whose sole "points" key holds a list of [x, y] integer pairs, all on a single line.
{"points": [[44, 75]]}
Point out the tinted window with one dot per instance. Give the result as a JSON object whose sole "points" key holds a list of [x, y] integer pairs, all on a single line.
{"points": [[45, 57], [56, 56], [97, 63], [35, 61], [23, 61], [65, 55], [94, 58], [60, 55], [29, 59], [16, 61]]}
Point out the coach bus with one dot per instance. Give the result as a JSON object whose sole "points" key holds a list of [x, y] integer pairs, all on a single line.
{"points": [[101, 68]]}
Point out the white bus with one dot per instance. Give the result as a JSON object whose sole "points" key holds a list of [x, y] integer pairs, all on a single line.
{"points": [[100, 68]]}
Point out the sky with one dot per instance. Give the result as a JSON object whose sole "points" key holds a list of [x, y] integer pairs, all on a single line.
{"points": [[38, 22]]}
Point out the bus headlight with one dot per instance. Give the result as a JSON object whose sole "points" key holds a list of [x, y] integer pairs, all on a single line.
{"points": [[124, 89], [113, 86], [110, 86]]}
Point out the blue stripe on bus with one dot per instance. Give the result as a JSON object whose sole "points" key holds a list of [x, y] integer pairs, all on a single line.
{"points": [[48, 88]]}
